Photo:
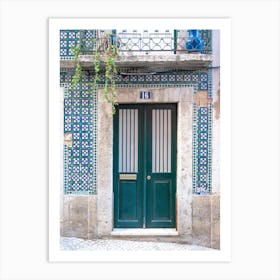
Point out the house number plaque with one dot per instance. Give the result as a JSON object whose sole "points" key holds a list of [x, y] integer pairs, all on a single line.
{"points": [[145, 95]]}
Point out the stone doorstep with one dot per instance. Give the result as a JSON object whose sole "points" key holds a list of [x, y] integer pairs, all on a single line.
{"points": [[145, 232]]}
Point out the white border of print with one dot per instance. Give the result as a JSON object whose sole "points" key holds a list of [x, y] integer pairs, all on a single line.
{"points": [[55, 254]]}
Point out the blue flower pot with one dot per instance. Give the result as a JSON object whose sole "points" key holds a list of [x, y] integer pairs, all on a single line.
{"points": [[194, 42]]}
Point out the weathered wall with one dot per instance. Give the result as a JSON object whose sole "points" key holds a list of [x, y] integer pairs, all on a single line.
{"points": [[80, 219], [89, 216], [206, 220], [104, 168], [183, 97], [216, 133], [216, 113], [198, 217], [79, 216]]}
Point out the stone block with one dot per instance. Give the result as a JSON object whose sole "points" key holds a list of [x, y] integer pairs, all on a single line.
{"points": [[173, 95], [75, 217], [92, 217], [206, 220], [186, 94], [215, 222], [202, 220], [122, 97]]}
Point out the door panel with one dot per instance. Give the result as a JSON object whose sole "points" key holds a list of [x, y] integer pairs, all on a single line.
{"points": [[161, 191], [127, 177], [145, 165], [128, 201], [161, 166]]}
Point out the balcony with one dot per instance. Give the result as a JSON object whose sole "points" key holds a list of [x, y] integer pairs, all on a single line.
{"points": [[141, 52]]}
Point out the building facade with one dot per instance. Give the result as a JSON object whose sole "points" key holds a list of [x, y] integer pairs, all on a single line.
{"points": [[151, 170]]}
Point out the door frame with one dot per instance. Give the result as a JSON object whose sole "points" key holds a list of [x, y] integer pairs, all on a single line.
{"points": [[183, 96], [144, 188]]}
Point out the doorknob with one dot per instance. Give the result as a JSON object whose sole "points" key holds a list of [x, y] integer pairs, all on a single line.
{"points": [[148, 177]]}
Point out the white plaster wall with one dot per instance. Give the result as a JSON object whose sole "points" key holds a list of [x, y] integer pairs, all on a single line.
{"points": [[216, 48], [184, 168], [61, 93], [104, 167], [216, 113]]}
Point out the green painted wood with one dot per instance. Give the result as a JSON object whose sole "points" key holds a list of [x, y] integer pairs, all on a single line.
{"points": [[145, 203], [175, 40], [161, 188], [128, 194], [127, 201]]}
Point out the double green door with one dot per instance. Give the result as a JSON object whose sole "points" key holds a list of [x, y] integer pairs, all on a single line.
{"points": [[145, 166]]}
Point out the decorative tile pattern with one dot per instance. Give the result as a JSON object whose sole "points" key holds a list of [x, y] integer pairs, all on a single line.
{"points": [[198, 79], [210, 124], [202, 149], [79, 163], [195, 162], [71, 38], [68, 40], [206, 36], [87, 39], [210, 95]]}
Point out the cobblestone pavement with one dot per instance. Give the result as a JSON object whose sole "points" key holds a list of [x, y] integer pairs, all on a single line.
{"points": [[72, 243]]}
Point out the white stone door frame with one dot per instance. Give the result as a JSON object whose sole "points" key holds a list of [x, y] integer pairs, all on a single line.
{"points": [[183, 97]]}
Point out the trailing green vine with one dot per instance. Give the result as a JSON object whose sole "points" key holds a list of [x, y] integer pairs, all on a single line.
{"points": [[105, 52], [78, 70]]}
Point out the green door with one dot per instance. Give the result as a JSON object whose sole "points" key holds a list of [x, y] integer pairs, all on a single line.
{"points": [[145, 166]]}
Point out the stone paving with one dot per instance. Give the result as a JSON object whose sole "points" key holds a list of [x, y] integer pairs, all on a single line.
{"points": [[72, 243]]}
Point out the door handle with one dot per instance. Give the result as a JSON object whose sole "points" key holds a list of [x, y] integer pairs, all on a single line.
{"points": [[149, 177]]}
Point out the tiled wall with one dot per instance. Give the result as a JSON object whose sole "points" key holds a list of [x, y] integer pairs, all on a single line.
{"points": [[80, 120], [71, 38], [202, 135], [80, 157]]}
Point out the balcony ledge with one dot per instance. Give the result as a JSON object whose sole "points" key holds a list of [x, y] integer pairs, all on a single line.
{"points": [[149, 63]]}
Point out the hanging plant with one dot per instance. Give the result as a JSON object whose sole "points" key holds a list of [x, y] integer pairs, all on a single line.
{"points": [[105, 51], [78, 70]]}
